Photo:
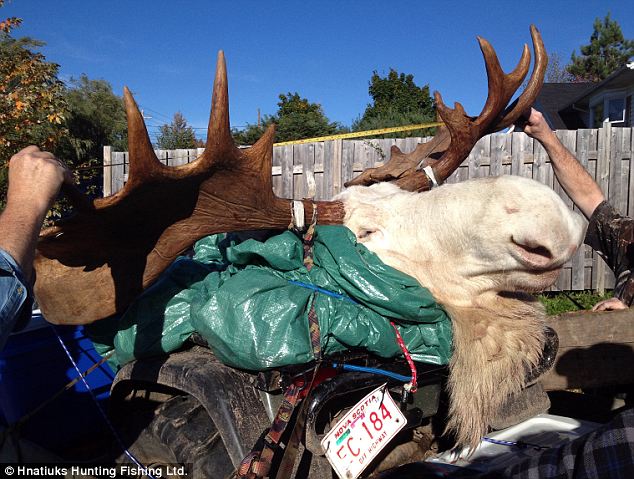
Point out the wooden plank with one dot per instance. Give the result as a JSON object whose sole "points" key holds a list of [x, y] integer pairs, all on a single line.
{"points": [[579, 259], [347, 161], [308, 175], [299, 183], [107, 171], [540, 158], [319, 171], [603, 172], [287, 171], [277, 164], [623, 158], [615, 168], [336, 164], [410, 144], [358, 159], [626, 161], [374, 153], [163, 156], [365, 155], [118, 170], [517, 146], [401, 143], [482, 149], [595, 349], [630, 208], [498, 143], [568, 138], [178, 157], [377, 155], [385, 146]]}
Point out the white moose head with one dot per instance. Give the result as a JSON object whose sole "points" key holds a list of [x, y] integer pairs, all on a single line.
{"points": [[479, 246]]}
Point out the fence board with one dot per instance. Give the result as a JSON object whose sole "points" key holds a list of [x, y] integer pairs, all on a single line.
{"points": [[319, 171], [118, 170], [323, 167], [107, 170], [337, 152], [630, 209], [277, 166], [287, 171]]}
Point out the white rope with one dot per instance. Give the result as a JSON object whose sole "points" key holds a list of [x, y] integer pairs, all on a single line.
{"points": [[298, 215], [430, 173]]}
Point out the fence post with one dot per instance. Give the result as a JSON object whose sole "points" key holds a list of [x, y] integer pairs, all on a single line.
{"points": [[337, 172], [603, 173], [107, 171]]}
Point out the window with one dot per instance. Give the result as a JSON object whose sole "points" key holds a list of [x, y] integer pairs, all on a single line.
{"points": [[610, 107], [597, 115], [616, 110]]}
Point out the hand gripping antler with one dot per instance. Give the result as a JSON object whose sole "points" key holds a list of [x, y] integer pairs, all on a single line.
{"points": [[452, 144], [97, 262]]}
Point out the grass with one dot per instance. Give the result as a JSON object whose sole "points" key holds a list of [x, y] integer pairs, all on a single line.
{"points": [[560, 302]]}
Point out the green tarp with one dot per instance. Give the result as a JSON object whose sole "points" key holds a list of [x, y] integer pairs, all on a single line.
{"points": [[250, 301]]}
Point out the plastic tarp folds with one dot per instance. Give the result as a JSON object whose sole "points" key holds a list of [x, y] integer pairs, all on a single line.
{"points": [[250, 301]]}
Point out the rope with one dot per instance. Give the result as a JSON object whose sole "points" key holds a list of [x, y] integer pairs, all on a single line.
{"points": [[322, 290], [411, 387], [367, 369], [69, 385], [100, 409], [521, 444], [297, 213]]}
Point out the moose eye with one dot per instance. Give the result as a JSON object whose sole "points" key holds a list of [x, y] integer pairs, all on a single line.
{"points": [[364, 234]]}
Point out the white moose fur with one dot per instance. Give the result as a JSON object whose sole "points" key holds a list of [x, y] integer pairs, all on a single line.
{"points": [[479, 246]]}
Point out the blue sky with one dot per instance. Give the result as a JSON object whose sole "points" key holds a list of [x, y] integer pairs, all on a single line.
{"points": [[165, 51]]}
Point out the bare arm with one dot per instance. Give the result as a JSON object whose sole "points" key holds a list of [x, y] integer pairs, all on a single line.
{"points": [[35, 178], [574, 178]]}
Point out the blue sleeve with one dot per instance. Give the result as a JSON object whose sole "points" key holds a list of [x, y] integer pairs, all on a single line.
{"points": [[14, 296]]}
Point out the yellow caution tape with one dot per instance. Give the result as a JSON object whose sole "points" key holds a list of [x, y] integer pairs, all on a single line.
{"points": [[357, 134]]}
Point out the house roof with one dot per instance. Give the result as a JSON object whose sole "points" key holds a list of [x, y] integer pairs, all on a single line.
{"points": [[620, 78], [555, 97]]}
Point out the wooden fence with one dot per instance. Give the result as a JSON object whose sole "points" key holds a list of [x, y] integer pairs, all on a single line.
{"points": [[319, 170]]}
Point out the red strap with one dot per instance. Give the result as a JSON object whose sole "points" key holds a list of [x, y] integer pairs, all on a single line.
{"points": [[408, 357]]}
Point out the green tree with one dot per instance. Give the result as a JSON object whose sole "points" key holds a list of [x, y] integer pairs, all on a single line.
{"points": [[32, 105], [177, 134], [396, 101], [296, 119], [607, 51], [96, 117]]}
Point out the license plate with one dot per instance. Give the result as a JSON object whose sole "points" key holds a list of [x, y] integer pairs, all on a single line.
{"points": [[362, 433]]}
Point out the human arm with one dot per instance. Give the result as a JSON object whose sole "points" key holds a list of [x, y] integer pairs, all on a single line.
{"points": [[35, 178], [611, 235], [572, 176]]}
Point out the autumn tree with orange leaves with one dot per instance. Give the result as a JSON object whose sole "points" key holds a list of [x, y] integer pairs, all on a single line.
{"points": [[32, 105]]}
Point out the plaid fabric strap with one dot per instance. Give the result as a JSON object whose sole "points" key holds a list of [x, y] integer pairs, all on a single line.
{"points": [[257, 464]]}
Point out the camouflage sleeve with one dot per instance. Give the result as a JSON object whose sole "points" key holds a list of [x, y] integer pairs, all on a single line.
{"points": [[611, 235]]}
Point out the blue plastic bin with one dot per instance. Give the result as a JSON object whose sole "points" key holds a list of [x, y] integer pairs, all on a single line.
{"points": [[33, 367]]}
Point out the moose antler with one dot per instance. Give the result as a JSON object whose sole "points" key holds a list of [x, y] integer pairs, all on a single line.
{"points": [[452, 144], [95, 263]]}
